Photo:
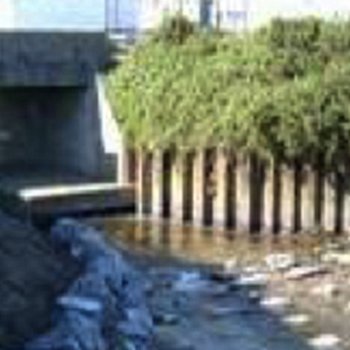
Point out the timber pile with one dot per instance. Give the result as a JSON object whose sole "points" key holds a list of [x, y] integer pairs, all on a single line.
{"points": [[32, 274]]}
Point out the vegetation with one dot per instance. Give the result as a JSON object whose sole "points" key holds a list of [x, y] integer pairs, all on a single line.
{"points": [[282, 91]]}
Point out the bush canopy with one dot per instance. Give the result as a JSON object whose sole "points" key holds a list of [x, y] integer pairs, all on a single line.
{"points": [[282, 91]]}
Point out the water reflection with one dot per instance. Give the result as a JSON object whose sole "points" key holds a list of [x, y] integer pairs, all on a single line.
{"points": [[205, 245]]}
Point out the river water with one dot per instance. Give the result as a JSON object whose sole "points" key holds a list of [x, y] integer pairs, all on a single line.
{"points": [[229, 320], [206, 245]]}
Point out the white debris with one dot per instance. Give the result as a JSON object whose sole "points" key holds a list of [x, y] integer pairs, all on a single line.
{"points": [[325, 341], [230, 266], [190, 282], [325, 290], [296, 320], [341, 258], [301, 272], [256, 279], [252, 269], [347, 309], [275, 303], [280, 262]]}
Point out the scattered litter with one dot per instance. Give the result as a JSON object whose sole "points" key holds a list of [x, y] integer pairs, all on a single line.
{"points": [[275, 303], [280, 262], [296, 320], [325, 290], [325, 341], [256, 279], [301, 272]]}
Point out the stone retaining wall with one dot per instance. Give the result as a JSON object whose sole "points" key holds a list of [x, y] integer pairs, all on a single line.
{"points": [[104, 308]]}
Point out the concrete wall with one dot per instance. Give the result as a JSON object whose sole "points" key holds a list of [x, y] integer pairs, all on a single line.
{"points": [[52, 130], [51, 58]]}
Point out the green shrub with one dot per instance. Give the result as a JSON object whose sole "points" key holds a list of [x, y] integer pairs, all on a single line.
{"points": [[282, 91]]}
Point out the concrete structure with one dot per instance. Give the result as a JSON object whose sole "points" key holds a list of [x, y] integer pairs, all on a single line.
{"points": [[50, 103], [56, 126], [55, 118]]}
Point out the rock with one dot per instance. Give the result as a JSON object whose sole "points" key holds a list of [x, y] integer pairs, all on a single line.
{"points": [[222, 311], [340, 258], [275, 303], [165, 319], [296, 320], [190, 282], [82, 304], [301, 272], [230, 266], [108, 295], [137, 324], [222, 276], [280, 262], [347, 309], [75, 331], [325, 341], [326, 290], [254, 295], [256, 279]]}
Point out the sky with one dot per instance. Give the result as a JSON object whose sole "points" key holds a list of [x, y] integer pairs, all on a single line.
{"points": [[90, 14], [48, 14]]}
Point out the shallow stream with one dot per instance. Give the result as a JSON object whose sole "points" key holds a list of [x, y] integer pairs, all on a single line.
{"points": [[215, 317]]}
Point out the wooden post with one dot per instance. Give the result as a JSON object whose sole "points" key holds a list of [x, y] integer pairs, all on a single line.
{"points": [[198, 188], [220, 199], [287, 199], [177, 189], [268, 200], [346, 216], [329, 221], [243, 194], [157, 184], [308, 195], [143, 184]]}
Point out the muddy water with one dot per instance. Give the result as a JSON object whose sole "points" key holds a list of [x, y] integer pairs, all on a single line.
{"points": [[207, 246], [162, 241]]}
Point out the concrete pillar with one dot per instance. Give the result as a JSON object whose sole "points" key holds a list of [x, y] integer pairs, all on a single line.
{"points": [[308, 195], [177, 188], [157, 184], [268, 200], [220, 199], [242, 194], [287, 199], [198, 188], [329, 204]]}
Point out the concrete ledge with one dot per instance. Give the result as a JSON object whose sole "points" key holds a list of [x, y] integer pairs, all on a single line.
{"points": [[57, 200]]}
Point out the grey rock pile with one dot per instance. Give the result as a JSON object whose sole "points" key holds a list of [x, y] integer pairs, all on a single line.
{"points": [[104, 308]]}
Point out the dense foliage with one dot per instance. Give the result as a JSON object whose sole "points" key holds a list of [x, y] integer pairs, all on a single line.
{"points": [[282, 91]]}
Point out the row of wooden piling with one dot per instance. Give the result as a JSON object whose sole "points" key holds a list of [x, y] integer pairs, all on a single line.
{"points": [[217, 187]]}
